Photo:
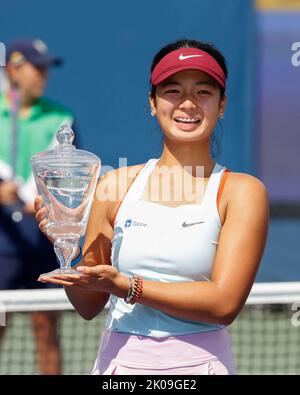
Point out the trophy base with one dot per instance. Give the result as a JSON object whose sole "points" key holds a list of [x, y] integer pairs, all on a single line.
{"points": [[62, 271]]}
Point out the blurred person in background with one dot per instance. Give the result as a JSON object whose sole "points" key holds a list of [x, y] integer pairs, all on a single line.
{"points": [[28, 124]]}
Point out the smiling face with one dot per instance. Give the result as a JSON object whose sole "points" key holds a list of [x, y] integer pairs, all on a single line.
{"points": [[187, 106]]}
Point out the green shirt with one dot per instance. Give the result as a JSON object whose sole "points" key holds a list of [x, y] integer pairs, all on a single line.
{"points": [[35, 133]]}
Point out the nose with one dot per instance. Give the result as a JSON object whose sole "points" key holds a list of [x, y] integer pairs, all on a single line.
{"points": [[187, 104]]}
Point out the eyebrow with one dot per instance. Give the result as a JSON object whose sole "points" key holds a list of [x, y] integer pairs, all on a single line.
{"points": [[167, 83]]}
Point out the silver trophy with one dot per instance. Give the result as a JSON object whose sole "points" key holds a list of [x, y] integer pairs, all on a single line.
{"points": [[66, 179]]}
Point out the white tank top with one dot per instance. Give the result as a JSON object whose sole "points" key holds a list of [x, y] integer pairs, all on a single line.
{"points": [[161, 243]]}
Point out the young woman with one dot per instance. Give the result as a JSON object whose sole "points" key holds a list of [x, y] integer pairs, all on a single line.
{"points": [[179, 269]]}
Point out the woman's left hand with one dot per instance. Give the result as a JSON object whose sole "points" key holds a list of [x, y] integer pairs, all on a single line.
{"points": [[97, 278]]}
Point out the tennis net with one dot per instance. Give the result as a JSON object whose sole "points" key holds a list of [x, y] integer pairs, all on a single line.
{"points": [[265, 336]]}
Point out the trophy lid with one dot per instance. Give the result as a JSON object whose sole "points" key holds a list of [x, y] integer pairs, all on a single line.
{"points": [[65, 151]]}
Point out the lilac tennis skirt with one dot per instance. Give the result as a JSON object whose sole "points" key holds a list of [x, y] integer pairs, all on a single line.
{"points": [[206, 353]]}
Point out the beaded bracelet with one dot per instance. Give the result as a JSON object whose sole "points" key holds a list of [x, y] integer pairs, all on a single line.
{"points": [[139, 289], [135, 289]]}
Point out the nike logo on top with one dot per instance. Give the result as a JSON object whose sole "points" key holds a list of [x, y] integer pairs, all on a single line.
{"points": [[185, 225], [182, 57]]}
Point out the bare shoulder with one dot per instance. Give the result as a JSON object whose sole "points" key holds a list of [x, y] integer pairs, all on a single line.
{"points": [[240, 184], [240, 181], [114, 184], [111, 189], [128, 171], [244, 191]]}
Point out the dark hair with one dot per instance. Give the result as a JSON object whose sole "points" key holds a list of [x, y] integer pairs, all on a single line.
{"points": [[185, 43]]}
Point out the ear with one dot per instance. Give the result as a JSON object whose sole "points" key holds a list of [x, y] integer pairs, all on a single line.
{"points": [[152, 103], [222, 106]]}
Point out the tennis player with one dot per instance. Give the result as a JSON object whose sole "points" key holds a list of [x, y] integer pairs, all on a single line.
{"points": [[177, 271]]}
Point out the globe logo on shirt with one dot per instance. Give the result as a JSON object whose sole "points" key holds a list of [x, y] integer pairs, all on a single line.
{"points": [[128, 223]]}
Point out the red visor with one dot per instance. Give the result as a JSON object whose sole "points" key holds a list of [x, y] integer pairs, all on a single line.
{"points": [[184, 59]]}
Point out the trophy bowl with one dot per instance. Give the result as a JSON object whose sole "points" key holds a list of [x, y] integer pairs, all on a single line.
{"points": [[66, 178]]}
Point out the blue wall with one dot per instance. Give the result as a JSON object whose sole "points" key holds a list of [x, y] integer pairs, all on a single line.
{"points": [[108, 48]]}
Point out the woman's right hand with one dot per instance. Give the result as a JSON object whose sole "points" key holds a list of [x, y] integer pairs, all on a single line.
{"points": [[41, 216]]}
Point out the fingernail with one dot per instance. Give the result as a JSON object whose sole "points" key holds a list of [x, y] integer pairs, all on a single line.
{"points": [[40, 279], [80, 269]]}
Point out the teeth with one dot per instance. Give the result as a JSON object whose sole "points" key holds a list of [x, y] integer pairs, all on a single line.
{"points": [[181, 119]]}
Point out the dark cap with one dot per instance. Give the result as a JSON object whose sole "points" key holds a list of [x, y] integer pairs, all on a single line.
{"points": [[34, 51]]}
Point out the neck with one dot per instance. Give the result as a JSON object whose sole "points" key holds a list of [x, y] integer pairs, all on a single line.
{"points": [[191, 154], [26, 103], [23, 102]]}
